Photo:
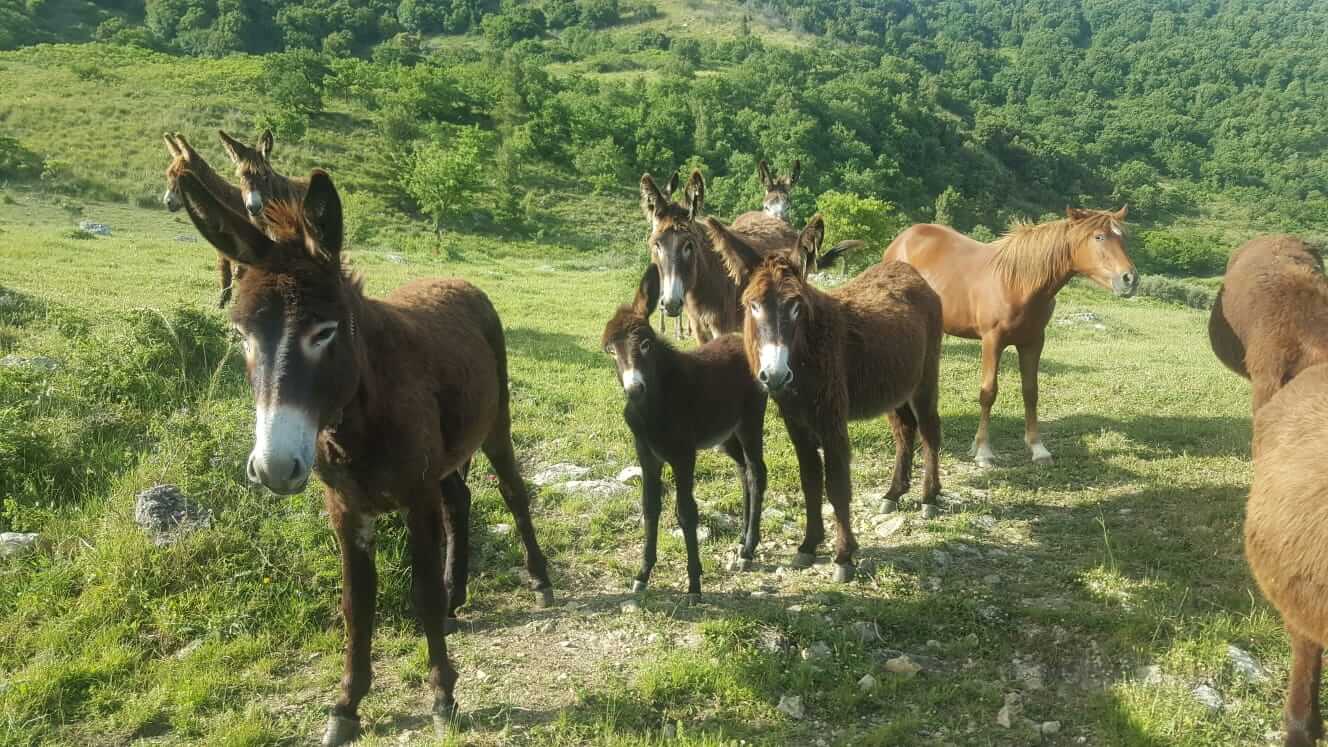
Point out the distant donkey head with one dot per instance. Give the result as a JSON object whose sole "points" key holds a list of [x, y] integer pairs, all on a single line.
{"points": [[258, 181], [776, 202], [676, 238]]}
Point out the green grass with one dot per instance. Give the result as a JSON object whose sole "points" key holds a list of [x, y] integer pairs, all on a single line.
{"points": [[1126, 553]]}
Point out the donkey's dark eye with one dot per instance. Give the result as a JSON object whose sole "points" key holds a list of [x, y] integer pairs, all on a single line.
{"points": [[687, 249], [645, 346], [323, 334]]}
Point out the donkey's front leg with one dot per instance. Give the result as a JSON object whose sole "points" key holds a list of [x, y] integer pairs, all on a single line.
{"points": [[684, 473], [355, 537], [652, 490], [811, 474], [839, 488], [423, 524]]}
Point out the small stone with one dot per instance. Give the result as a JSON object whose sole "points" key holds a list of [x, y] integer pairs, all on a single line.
{"points": [[933, 643], [1208, 697], [188, 649], [818, 650], [631, 606], [772, 641], [501, 529], [1245, 665], [1028, 675], [1150, 675], [991, 579], [96, 229], [891, 525], [941, 557], [548, 626], [596, 488], [559, 472], [15, 544], [37, 361], [166, 514], [629, 474], [1050, 727], [395, 259], [791, 706], [1012, 711], [702, 533], [902, 665], [866, 683], [185, 238], [865, 631], [985, 522]]}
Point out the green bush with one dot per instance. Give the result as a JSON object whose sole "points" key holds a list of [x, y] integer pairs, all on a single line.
{"points": [[1176, 291], [1178, 253], [868, 219], [17, 162]]}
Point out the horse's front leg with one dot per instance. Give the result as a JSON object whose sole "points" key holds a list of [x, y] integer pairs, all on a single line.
{"points": [[991, 367], [1029, 357], [355, 539], [424, 526]]}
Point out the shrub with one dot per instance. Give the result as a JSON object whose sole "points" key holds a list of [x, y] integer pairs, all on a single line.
{"points": [[1176, 291], [851, 216], [601, 162], [17, 162], [1178, 253], [444, 177]]}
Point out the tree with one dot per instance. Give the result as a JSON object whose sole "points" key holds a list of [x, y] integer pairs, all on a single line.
{"points": [[601, 162], [444, 177], [849, 216]]}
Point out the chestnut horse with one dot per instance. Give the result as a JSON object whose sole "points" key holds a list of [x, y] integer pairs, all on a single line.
{"points": [[692, 276], [1003, 293], [1270, 318], [185, 158], [259, 182], [869, 347], [387, 399], [679, 402], [1286, 529]]}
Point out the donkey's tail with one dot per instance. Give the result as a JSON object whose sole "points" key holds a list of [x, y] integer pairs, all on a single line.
{"points": [[833, 254]]}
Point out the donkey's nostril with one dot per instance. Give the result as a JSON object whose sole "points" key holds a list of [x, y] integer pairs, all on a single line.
{"points": [[763, 376], [252, 469], [297, 470]]}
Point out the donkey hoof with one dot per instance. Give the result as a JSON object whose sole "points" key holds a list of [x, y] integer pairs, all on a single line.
{"points": [[930, 510], [340, 730], [740, 565], [693, 598], [803, 560], [445, 718], [889, 506], [638, 586], [844, 572], [546, 597]]}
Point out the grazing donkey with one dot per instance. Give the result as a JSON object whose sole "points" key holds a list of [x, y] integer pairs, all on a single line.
{"points": [[1286, 531], [387, 399], [259, 182], [1270, 318], [692, 276], [185, 158], [868, 347], [1003, 293], [677, 403]]}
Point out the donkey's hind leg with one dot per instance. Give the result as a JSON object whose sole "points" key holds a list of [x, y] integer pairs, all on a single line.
{"points": [[431, 604], [498, 448], [456, 526], [904, 426]]}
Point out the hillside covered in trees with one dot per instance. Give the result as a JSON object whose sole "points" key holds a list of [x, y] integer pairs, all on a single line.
{"points": [[959, 111]]}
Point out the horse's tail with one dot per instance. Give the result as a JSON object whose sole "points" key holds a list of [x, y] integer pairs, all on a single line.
{"points": [[835, 252]]}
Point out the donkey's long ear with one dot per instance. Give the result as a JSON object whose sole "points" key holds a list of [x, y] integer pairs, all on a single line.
{"points": [[228, 231], [265, 145], [647, 293], [652, 202], [185, 147], [322, 208], [234, 148], [695, 195], [810, 240], [763, 171], [797, 169], [739, 258], [673, 186], [171, 147]]}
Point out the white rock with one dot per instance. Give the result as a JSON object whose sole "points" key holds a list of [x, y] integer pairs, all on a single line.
{"points": [[818, 650], [1028, 674], [395, 259], [96, 229], [891, 525], [629, 474], [866, 683], [1208, 697], [596, 488], [1245, 665], [501, 529], [865, 631], [791, 706], [559, 472], [1012, 711], [1050, 727], [1151, 674], [902, 665], [991, 579], [631, 606], [14, 544], [702, 533], [985, 522]]}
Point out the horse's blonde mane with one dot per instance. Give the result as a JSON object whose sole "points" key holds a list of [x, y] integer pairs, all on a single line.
{"points": [[1031, 256]]}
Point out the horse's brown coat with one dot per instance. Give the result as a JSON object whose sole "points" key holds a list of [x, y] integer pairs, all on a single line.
{"points": [[869, 347], [1270, 318], [1286, 534], [1004, 293]]}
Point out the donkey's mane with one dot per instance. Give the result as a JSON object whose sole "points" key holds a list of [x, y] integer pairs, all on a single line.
{"points": [[1031, 256]]}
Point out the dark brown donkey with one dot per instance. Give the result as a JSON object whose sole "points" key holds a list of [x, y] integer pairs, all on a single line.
{"points": [[387, 399], [677, 403], [185, 158], [1003, 293], [692, 276], [776, 202], [1286, 531], [1270, 318], [259, 182], [869, 347]]}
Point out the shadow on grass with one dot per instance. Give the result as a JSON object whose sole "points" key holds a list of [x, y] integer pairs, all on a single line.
{"points": [[556, 347]]}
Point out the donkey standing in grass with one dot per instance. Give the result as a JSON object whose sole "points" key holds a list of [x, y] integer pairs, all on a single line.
{"points": [[869, 347], [259, 182], [677, 403], [387, 399], [1004, 293], [185, 158], [1270, 318]]}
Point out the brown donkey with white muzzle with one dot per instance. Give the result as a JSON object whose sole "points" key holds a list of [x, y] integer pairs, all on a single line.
{"points": [[679, 402], [869, 347], [387, 399]]}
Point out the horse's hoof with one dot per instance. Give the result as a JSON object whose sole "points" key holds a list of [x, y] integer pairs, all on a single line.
{"points": [[889, 506], [444, 718], [546, 597], [340, 730], [638, 586], [803, 560], [986, 461], [451, 625], [930, 510], [1043, 460], [844, 572]]}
